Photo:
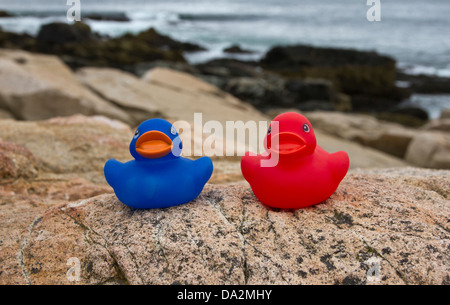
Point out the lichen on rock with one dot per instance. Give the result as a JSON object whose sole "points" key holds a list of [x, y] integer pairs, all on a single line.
{"points": [[226, 236]]}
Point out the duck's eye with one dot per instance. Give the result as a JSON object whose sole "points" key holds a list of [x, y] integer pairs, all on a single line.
{"points": [[270, 130], [173, 130], [306, 128], [136, 134]]}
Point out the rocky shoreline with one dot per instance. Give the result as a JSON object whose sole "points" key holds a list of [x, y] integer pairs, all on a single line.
{"points": [[39, 87], [302, 77], [351, 93]]}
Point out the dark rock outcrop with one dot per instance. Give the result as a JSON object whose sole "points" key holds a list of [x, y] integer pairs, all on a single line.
{"points": [[426, 84], [117, 52], [266, 90], [107, 16], [367, 76], [63, 33], [408, 116], [236, 49], [152, 37], [17, 41], [78, 46], [352, 71], [5, 14]]}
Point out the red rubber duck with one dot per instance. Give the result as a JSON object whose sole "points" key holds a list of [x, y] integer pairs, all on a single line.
{"points": [[304, 175]]}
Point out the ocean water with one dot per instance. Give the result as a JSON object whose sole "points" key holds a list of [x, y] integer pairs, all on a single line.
{"points": [[415, 32]]}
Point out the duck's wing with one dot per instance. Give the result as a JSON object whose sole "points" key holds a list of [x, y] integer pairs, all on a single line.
{"points": [[112, 170]]}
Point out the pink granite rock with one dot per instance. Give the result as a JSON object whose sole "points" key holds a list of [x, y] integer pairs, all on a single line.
{"points": [[380, 227]]}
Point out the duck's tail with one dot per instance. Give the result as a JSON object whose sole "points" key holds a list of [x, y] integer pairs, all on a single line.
{"points": [[111, 171], [339, 165]]}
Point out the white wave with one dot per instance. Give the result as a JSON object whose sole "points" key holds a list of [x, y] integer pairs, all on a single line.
{"points": [[433, 104], [424, 70], [145, 15], [204, 56], [29, 25]]}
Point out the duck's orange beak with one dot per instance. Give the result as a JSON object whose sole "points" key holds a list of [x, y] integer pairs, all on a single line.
{"points": [[153, 144], [286, 143]]}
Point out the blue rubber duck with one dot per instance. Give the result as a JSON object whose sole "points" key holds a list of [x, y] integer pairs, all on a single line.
{"points": [[157, 177]]}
